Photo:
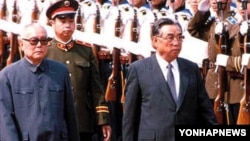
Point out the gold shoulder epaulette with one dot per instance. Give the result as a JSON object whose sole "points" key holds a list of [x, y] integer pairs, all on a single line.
{"points": [[83, 43]]}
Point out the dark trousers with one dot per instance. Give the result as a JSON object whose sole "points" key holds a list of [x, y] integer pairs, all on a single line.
{"points": [[86, 136], [90, 136], [234, 111], [115, 107]]}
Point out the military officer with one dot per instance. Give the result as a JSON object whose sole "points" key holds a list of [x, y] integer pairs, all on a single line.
{"points": [[91, 108]]}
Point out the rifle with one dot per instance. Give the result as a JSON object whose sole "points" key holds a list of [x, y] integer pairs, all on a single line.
{"points": [[172, 8], [134, 35], [79, 25], [13, 38], [2, 48], [111, 89], [97, 29], [152, 9], [2, 34], [244, 112], [220, 102], [205, 68], [35, 12], [131, 57]]}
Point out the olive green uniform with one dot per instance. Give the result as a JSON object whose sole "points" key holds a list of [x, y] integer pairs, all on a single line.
{"points": [[202, 26], [88, 92]]}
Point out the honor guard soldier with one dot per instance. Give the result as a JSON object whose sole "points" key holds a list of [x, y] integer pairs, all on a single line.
{"points": [[212, 22], [4, 39], [91, 108], [109, 63], [243, 7]]}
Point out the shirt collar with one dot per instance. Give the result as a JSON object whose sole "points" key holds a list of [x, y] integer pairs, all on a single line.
{"points": [[33, 68], [163, 63]]}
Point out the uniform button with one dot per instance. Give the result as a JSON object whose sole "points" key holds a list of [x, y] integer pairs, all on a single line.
{"points": [[70, 74], [67, 62]]}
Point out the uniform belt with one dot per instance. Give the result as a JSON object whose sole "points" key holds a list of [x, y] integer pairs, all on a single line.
{"points": [[236, 75], [104, 55]]}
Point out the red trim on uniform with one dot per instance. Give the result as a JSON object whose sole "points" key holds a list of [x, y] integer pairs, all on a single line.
{"points": [[62, 9]]}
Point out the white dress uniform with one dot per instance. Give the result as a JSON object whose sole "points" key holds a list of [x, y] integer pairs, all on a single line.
{"points": [[146, 18], [89, 12]]}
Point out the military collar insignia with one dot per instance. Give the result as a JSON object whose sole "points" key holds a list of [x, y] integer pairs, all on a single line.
{"points": [[65, 47]]}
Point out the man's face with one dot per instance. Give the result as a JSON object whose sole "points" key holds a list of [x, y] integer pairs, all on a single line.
{"points": [[176, 4], [194, 4], [240, 9], [225, 3], [64, 27], [157, 2], [34, 44], [137, 3], [169, 43]]}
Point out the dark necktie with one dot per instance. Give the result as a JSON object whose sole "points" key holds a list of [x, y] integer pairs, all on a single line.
{"points": [[171, 82]]}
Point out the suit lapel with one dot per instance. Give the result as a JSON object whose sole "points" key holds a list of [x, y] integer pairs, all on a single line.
{"points": [[183, 82], [164, 89]]}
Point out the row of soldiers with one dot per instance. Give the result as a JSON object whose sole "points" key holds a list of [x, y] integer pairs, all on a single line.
{"points": [[105, 12], [217, 29], [226, 80]]}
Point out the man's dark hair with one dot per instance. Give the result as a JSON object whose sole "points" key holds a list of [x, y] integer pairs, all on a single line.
{"points": [[161, 22]]}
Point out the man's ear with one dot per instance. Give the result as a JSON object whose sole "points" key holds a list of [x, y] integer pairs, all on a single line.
{"points": [[154, 42], [51, 22]]}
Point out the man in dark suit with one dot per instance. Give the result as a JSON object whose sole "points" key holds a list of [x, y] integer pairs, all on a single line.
{"points": [[91, 107], [152, 108], [36, 100]]}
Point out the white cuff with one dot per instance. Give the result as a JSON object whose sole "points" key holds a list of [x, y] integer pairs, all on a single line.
{"points": [[245, 59], [221, 60]]}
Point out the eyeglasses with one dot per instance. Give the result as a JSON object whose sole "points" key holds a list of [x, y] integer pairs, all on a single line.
{"points": [[170, 38], [34, 41]]}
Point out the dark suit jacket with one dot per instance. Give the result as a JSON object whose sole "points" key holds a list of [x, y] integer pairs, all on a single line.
{"points": [[151, 113], [36, 105]]}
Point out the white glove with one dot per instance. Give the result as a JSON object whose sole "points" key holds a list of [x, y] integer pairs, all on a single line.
{"points": [[204, 5], [219, 28], [243, 28], [238, 17], [221, 60], [245, 59]]}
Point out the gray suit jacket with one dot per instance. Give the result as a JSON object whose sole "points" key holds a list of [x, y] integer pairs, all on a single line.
{"points": [[36, 105], [150, 112]]}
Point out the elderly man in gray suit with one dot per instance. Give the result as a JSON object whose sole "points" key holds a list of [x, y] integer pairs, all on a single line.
{"points": [[153, 106], [36, 100]]}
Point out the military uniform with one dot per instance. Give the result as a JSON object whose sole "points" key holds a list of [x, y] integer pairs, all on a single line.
{"points": [[87, 88], [106, 62], [203, 26], [91, 107]]}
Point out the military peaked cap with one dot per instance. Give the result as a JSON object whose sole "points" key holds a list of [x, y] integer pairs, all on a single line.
{"points": [[62, 7]]}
